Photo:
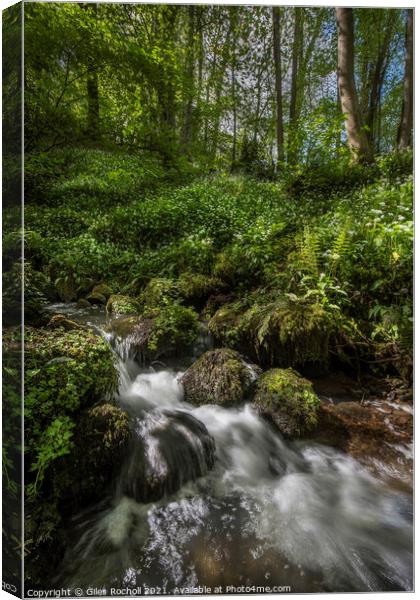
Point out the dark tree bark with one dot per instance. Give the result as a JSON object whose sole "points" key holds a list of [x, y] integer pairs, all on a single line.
{"points": [[356, 136], [296, 54], [278, 84], [378, 78], [234, 23], [93, 116], [93, 126], [220, 76], [406, 125], [187, 128]]}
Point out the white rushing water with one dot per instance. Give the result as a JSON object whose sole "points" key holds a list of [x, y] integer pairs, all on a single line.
{"points": [[267, 512]]}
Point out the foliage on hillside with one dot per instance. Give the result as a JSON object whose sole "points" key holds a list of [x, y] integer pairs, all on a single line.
{"points": [[348, 251]]}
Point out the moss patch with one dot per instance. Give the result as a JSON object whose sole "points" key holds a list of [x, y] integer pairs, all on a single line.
{"points": [[289, 400], [122, 305], [95, 298]]}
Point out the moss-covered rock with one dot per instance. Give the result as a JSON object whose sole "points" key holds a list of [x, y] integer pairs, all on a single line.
{"points": [[218, 377], [175, 329], [170, 331], [184, 450], [70, 447], [83, 303], [289, 333], [224, 326], [288, 400], [102, 289], [195, 288], [65, 372], [60, 321], [67, 288], [96, 298], [282, 333], [122, 305], [100, 444]]}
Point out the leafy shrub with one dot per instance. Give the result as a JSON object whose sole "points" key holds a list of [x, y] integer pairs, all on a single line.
{"points": [[175, 327]]}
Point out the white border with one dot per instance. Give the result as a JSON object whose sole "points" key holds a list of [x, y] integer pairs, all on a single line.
{"points": [[360, 3]]}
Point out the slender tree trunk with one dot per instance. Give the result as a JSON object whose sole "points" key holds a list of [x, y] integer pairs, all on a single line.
{"points": [[219, 87], [92, 87], [234, 25], [406, 125], [338, 137], [197, 121], [278, 85], [235, 117], [296, 51], [165, 86], [304, 61], [356, 136], [93, 105], [258, 108], [186, 133], [377, 79]]}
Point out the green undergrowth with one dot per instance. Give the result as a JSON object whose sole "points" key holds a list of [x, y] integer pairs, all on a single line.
{"points": [[97, 216]]}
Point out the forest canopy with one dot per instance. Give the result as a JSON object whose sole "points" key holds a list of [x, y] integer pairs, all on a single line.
{"points": [[221, 86]]}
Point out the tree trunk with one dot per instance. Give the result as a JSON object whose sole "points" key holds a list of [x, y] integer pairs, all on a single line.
{"points": [[296, 52], [278, 84], [257, 109], [197, 120], [92, 87], [93, 105], [235, 120], [219, 87], [186, 133], [378, 78], [356, 136], [234, 25], [406, 125]]}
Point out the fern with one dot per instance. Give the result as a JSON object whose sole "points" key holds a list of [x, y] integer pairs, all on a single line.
{"points": [[310, 251], [340, 248]]}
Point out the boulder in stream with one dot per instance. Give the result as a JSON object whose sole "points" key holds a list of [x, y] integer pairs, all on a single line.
{"points": [[219, 376], [122, 305], [96, 298], [288, 400], [168, 449], [60, 321]]}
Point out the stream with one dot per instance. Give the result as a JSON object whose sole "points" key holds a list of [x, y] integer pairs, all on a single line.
{"points": [[242, 509]]}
